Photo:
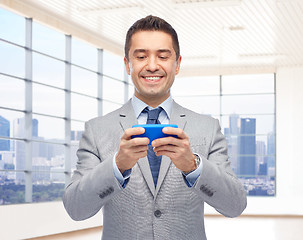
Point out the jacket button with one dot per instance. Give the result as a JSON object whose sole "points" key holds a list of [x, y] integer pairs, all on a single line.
{"points": [[157, 213]]}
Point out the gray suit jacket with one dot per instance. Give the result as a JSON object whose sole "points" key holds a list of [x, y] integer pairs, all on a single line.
{"points": [[139, 211]]}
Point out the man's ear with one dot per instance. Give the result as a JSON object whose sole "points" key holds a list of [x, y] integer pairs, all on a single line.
{"points": [[178, 64], [126, 63]]}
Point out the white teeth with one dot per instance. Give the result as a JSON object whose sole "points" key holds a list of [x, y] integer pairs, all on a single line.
{"points": [[152, 78]]}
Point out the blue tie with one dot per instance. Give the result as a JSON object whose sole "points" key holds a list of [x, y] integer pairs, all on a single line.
{"points": [[154, 161]]}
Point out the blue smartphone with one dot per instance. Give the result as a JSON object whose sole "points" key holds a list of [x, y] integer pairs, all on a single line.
{"points": [[154, 131]]}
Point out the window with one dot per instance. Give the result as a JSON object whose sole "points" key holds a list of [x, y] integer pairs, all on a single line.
{"points": [[245, 106], [53, 93], [61, 92], [248, 120], [114, 91], [12, 94]]}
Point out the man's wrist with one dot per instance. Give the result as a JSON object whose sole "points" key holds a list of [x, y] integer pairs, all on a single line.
{"points": [[197, 160], [195, 164]]}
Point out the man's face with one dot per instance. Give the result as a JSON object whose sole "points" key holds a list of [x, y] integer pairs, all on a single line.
{"points": [[152, 65]]}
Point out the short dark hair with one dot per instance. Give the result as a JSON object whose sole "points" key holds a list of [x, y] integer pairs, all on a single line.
{"points": [[151, 23]]}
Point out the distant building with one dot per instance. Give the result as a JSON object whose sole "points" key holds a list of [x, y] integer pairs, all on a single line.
{"points": [[261, 159], [4, 132], [234, 125], [247, 148], [57, 175], [271, 152], [19, 131], [76, 135], [41, 170], [263, 169], [232, 134]]}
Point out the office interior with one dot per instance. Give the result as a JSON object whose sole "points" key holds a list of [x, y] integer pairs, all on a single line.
{"points": [[226, 45]]}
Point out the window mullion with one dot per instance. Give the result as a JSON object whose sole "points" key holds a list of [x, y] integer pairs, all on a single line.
{"points": [[126, 86], [28, 110], [100, 82], [221, 100], [67, 153]]}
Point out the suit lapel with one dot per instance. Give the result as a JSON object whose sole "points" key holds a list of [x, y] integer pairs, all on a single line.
{"points": [[127, 120], [127, 116], [177, 117]]}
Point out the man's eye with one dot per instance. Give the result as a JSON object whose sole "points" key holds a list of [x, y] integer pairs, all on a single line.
{"points": [[140, 57], [163, 57]]}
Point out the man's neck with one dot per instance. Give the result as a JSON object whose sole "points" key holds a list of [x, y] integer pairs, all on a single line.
{"points": [[153, 102]]}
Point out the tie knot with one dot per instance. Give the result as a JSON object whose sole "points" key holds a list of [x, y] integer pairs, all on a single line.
{"points": [[152, 115]]}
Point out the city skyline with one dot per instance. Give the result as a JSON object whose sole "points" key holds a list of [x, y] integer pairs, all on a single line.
{"points": [[251, 159]]}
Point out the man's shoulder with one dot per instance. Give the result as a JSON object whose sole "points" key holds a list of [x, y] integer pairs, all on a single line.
{"points": [[110, 117], [192, 115]]}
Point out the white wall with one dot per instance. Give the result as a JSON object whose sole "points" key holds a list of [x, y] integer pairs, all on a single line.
{"points": [[30, 220]]}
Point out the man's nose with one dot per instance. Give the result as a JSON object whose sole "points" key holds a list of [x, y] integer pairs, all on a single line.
{"points": [[152, 64]]}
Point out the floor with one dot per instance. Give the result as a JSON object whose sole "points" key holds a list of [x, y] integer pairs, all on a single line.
{"points": [[217, 227]]}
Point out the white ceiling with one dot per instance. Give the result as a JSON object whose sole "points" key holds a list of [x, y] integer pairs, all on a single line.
{"points": [[215, 35]]}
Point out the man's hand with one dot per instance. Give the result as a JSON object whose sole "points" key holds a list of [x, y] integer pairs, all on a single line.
{"points": [[131, 150], [177, 149]]}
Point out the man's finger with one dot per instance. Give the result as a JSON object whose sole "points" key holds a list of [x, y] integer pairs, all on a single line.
{"points": [[128, 133], [166, 141], [175, 131], [140, 148]]}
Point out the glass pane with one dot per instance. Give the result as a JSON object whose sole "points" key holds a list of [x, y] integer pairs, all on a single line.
{"points": [[10, 153], [49, 41], [109, 107], [48, 128], [74, 158], [259, 186], [84, 81], [113, 90], [12, 27], [20, 159], [76, 134], [235, 84], [48, 70], [46, 191], [4, 132], [5, 152], [131, 90], [12, 60], [262, 145], [77, 129], [113, 65], [196, 86], [11, 190], [48, 155], [265, 124], [10, 124], [209, 105], [249, 104], [48, 100], [253, 159], [12, 92], [84, 54], [83, 108]]}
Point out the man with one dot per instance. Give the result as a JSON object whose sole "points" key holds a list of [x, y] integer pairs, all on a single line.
{"points": [[119, 173]]}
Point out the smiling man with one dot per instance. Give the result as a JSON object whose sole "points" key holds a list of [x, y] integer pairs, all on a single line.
{"points": [[156, 190]]}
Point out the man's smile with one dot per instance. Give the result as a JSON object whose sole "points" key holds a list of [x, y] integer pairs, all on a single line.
{"points": [[152, 78]]}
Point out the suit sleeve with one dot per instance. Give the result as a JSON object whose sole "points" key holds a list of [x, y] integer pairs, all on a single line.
{"points": [[217, 184], [93, 183]]}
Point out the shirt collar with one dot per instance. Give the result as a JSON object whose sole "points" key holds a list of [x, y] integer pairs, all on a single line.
{"points": [[139, 105]]}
